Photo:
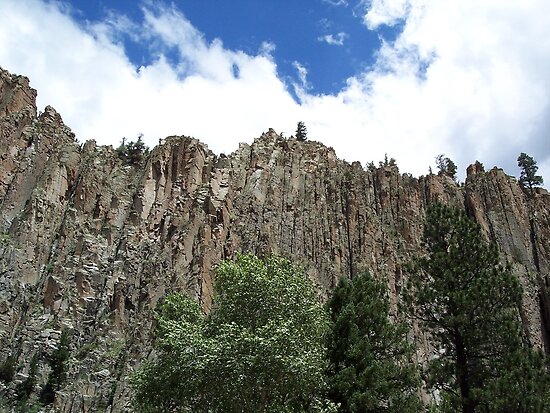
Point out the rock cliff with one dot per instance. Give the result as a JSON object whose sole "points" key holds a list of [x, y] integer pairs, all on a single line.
{"points": [[88, 244]]}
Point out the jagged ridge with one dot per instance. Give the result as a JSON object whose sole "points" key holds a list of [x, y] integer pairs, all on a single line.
{"points": [[91, 244]]}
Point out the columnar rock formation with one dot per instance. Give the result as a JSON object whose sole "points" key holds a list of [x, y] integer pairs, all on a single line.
{"points": [[89, 244]]}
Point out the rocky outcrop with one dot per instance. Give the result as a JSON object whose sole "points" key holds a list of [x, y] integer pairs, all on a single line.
{"points": [[89, 244]]}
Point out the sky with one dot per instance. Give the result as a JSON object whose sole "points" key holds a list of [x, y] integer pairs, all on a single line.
{"points": [[408, 78]]}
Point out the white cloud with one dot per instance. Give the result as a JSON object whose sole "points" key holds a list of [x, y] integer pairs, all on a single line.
{"points": [[91, 82], [337, 2], [334, 39], [468, 79], [386, 12]]}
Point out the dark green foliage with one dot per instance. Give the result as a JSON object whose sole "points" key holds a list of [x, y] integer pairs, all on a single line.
{"points": [[469, 302], [529, 168], [7, 369], [301, 131], [261, 349], [58, 373], [522, 386], [25, 388], [387, 162], [132, 153], [371, 363], [445, 166]]}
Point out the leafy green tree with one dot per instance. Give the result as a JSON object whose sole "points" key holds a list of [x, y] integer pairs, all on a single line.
{"points": [[261, 348], [445, 166], [469, 302], [529, 168], [301, 131], [371, 362]]}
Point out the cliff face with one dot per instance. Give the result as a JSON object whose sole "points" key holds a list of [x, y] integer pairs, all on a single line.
{"points": [[89, 245]]}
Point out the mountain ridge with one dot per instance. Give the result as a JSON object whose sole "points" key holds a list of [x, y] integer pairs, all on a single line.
{"points": [[89, 244]]}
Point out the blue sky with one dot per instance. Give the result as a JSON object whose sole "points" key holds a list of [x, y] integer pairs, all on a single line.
{"points": [[328, 38], [410, 78]]}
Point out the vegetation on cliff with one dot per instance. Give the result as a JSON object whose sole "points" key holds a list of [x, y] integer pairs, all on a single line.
{"points": [[528, 175], [469, 302]]}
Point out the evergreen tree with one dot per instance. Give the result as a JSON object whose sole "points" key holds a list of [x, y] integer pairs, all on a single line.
{"points": [[370, 361], [387, 162], [301, 131], [132, 152], [445, 166], [58, 374], [529, 168], [469, 302]]}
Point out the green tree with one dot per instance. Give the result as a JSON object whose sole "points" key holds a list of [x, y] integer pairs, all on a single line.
{"points": [[371, 362], [445, 166], [58, 374], [132, 152], [261, 348], [25, 389], [301, 131], [529, 168], [469, 302], [387, 162]]}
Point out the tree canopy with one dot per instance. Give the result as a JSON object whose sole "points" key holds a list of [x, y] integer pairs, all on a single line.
{"points": [[301, 131], [261, 348], [371, 366], [529, 168], [468, 302], [445, 166]]}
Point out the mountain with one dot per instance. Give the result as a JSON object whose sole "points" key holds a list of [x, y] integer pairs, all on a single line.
{"points": [[89, 242]]}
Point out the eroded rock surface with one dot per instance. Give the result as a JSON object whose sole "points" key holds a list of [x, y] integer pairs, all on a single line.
{"points": [[89, 244]]}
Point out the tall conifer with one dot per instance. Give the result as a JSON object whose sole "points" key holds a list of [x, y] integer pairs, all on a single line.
{"points": [[371, 367], [468, 302]]}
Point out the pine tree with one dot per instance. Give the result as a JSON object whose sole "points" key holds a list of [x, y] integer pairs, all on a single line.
{"points": [[370, 360], [301, 131], [529, 168], [468, 302], [445, 166]]}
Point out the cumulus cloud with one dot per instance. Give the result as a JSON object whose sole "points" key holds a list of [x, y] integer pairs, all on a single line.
{"points": [[334, 39], [379, 12], [468, 79], [85, 74]]}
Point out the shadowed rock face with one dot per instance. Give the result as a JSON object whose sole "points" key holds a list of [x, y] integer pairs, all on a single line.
{"points": [[90, 245]]}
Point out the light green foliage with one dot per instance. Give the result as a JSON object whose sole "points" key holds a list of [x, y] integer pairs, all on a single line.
{"points": [[529, 168], [469, 304], [371, 367], [260, 349]]}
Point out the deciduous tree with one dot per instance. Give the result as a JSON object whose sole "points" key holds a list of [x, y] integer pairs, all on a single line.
{"points": [[261, 348]]}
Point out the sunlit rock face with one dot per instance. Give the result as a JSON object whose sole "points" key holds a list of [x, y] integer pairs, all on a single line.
{"points": [[89, 244]]}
